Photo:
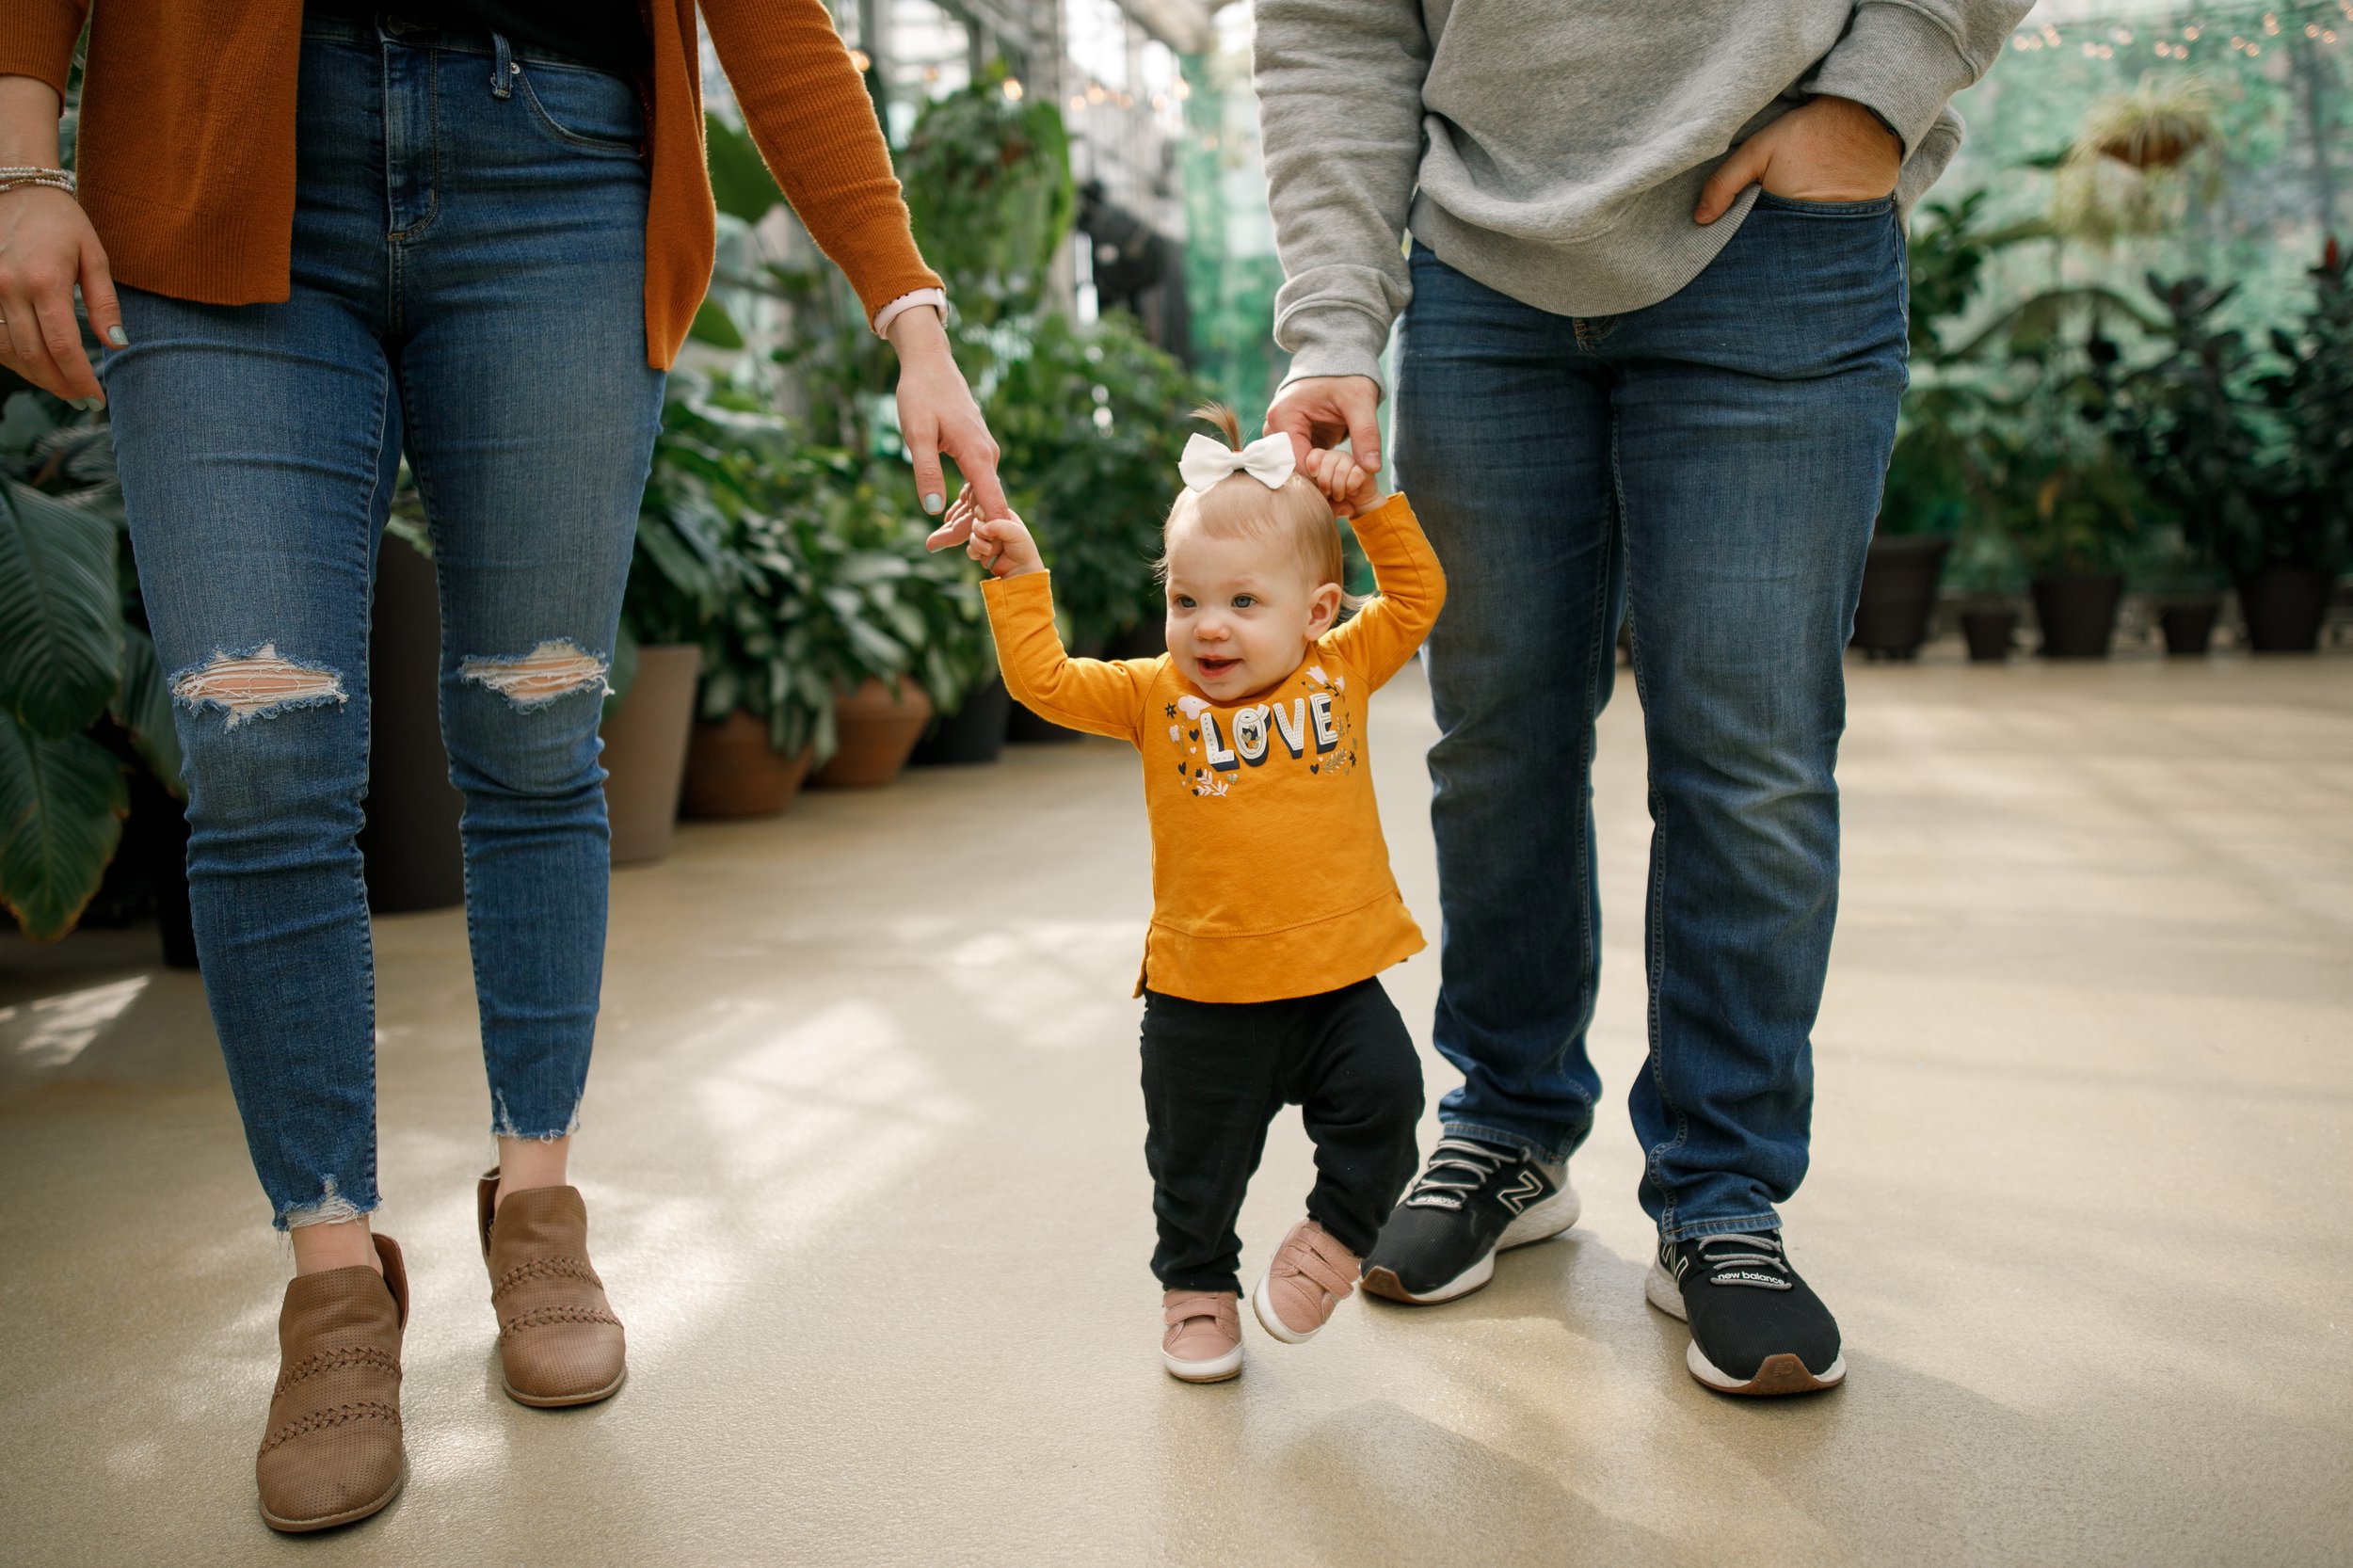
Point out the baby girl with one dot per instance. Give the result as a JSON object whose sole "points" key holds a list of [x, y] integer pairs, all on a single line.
{"points": [[1273, 906]]}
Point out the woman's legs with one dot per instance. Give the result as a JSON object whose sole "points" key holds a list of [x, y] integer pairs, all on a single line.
{"points": [[257, 447], [531, 414]]}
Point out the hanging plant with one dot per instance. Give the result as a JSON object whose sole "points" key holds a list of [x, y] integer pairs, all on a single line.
{"points": [[2126, 174]]}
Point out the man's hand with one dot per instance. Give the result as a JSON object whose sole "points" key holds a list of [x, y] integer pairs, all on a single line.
{"points": [[1323, 411], [1825, 149], [1002, 543], [1351, 487], [936, 412]]}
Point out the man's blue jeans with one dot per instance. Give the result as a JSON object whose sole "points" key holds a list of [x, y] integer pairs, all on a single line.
{"points": [[1711, 464], [468, 285]]}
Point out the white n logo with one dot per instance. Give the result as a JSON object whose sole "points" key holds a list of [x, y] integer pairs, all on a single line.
{"points": [[1525, 1188]]}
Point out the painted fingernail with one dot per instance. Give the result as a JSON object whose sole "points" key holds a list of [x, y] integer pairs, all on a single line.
{"points": [[116, 336], [931, 503]]}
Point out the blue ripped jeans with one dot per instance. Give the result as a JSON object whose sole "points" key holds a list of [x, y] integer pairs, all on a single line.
{"points": [[1712, 463], [468, 279]]}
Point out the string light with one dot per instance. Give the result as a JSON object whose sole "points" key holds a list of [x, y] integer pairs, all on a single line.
{"points": [[861, 60], [1012, 88], [2188, 27]]}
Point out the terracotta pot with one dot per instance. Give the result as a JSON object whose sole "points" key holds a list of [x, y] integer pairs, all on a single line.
{"points": [[877, 727], [1899, 575], [730, 771], [2077, 614], [2188, 627], [2285, 607], [1988, 633], [645, 751], [975, 732]]}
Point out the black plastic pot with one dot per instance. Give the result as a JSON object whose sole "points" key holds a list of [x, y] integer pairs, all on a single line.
{"points": [[2283, 607], [1891, 620], [409, 842], [1988, 633], [2188, 627], [975, 732], [2077, 614]]}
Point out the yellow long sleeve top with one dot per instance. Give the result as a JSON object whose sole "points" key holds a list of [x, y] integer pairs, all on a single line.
{"points": [[1270, 876]]}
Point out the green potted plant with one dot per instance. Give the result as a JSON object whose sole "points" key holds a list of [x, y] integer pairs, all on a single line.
{"points": [[1935, 473], [2074, 514], [757, 720], [2193, 426], [894, 628], [2288, 566], [1935, 479], [83, 697], [1985, 570], [675, 577]]}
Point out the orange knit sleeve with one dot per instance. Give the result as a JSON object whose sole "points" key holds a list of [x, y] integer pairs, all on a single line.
{"points": [[37, 39], [807, 108]]}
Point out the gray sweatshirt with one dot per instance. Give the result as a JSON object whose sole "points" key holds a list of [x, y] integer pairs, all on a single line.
{"points": [[1553, 150]]}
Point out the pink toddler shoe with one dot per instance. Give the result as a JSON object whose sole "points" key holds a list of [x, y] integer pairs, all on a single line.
{"points": [[1204, 1339], [1311, 1274]]}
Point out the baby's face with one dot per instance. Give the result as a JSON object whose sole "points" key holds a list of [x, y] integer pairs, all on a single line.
{"points": [[1241, 611]]}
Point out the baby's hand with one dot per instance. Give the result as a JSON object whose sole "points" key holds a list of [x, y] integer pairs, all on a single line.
{"points": [[1352, 488], [1002, 544]]}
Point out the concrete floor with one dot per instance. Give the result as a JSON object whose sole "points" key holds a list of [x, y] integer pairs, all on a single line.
{"points": [[863, 1153]]}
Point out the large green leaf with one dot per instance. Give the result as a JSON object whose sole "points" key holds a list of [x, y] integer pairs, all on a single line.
{"points": [[60, 612], [740, 182], [713, 326], [143, 707], [61, 806]]}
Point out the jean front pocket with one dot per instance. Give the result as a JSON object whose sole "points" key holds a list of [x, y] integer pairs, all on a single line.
{"points": [[582, 107], [1870, 208]]}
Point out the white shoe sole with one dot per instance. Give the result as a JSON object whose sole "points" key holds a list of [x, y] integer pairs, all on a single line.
{"points": [[1262, 1305], [1215, 1370], [1779, 1374], [1542, 1223]]}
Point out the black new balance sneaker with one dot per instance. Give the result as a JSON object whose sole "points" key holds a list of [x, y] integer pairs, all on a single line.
{"points": [[1756, 1328], [1474, 1200]]}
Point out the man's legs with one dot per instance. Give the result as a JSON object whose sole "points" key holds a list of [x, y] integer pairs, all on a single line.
{"points": [[1755, 412], [1502, 440], [1502, 437]]}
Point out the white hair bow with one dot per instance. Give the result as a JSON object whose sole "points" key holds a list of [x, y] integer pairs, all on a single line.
{"points": [[1268, 460]]}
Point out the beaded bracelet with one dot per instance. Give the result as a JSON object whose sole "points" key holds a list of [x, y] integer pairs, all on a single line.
{"points": [[56, 179]]}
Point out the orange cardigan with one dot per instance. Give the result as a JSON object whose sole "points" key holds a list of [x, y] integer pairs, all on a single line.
{"points": [[186, 147]]}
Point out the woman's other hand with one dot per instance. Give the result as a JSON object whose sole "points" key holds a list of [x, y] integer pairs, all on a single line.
{"points": [[46, 246], [936, 415]]}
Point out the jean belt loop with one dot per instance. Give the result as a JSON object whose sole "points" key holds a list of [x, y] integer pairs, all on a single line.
{"points": [[503, 68]]}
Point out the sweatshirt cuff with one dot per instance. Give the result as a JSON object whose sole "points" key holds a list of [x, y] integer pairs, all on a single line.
{"points": [[1333, 340], [1898, 64], [36, 40]]}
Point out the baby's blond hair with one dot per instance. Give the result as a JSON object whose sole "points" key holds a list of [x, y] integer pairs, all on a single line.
{"points": [[1294, 513]]}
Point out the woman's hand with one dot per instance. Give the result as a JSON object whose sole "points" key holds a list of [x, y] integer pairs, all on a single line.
{"points": [[1827, 149], [46, 246], [1002, 543], [937, 414]]}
